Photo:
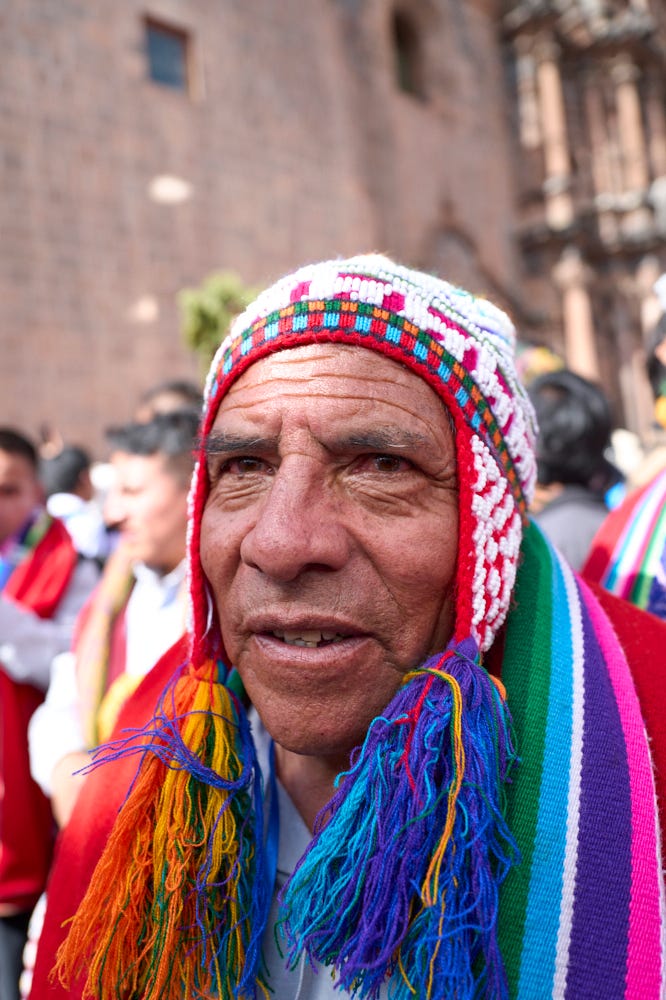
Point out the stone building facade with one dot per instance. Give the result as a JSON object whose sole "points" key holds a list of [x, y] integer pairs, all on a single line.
{"points": [[589, 101], [516, 148]]}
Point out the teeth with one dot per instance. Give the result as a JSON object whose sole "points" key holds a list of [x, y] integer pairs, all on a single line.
{"points": [[308, 637]]}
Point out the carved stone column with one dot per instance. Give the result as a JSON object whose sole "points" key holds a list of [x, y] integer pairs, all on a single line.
{"points": [[630, 126], [557, 160], [606, 176], [572, 277], [656, 124], [635, 170]]}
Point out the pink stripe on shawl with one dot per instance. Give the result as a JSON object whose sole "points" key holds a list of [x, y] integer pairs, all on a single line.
{"points": [[644, 973]]}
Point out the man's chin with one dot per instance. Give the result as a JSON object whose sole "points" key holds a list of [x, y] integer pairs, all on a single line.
{"points": [[311, 742], [138, 553]]}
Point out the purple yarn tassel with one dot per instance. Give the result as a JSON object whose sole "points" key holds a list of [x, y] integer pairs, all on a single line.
{"points": [[363, 899]]}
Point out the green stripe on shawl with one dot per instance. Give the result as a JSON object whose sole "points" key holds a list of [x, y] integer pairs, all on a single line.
{"points": [[640, 591], [528, 641]]}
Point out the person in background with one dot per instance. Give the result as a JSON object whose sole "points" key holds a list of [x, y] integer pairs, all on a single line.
{"points": [[171, 394], [134, 615], [627, 555], [43, 585], [70, 496], [136, 612], [656, 356], [574, 473], [401, 751], [533, 360]]}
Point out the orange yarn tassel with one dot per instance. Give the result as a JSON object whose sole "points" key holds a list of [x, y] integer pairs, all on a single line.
{"points": [[169, 909]]}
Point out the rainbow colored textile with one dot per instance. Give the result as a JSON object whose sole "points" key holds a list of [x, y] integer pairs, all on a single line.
{"points": [[582, 807], [582, 916], [628, 554]]}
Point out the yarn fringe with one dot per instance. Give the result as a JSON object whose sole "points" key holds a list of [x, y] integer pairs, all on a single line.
{"points": [[178, 902], [401, 881]]}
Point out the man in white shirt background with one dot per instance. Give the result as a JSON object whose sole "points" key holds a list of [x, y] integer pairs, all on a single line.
{"points": [[135, 614]]}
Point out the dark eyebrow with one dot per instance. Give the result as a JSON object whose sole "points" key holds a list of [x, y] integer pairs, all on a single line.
{"points": [[378, 439], [219, 443], [389, 437]]}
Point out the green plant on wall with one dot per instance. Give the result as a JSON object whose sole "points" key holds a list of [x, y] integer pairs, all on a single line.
{"points": [[208, 311]]}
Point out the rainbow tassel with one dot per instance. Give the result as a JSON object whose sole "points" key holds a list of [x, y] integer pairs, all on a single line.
{"points": [[408, 891], [179, 900]]}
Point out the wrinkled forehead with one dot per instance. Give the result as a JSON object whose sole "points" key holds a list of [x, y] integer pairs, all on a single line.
{"points": [[332, 401], [339, 379], [460, 365]]}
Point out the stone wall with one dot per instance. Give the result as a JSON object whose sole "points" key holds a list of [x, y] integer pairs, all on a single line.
{"points": [[295, 142]]}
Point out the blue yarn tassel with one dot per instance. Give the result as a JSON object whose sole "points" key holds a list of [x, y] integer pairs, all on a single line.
{"points": [[369, 898]]}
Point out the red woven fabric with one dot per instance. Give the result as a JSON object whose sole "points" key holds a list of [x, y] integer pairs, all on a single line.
{"points": [[26, 824]]}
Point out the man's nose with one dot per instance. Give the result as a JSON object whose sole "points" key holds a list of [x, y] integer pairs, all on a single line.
{"points": [[300, 527]]}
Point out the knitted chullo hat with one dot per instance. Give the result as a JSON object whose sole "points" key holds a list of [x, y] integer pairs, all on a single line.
{"points": [[463, 346], [408, 891]]}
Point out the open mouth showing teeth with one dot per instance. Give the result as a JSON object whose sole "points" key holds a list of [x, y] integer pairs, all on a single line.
{"points": [[311, 638]]}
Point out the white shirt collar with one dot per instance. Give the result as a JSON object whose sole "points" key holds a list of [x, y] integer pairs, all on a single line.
{"points": [[165, 581]]}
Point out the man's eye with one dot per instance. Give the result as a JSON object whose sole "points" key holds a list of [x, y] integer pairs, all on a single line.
{"points": [[243, 466], [389, 463]]}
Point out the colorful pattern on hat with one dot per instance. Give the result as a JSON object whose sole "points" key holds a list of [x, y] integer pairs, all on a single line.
{"points": [[463, 346]]}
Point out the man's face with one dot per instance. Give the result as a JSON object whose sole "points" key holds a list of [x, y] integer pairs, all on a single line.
{"points": [[329, 537], [148, 503], [20, 493]]}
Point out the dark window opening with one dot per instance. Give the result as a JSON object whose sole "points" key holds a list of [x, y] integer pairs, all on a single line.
{"points": [[166, 50], [408, 55]]}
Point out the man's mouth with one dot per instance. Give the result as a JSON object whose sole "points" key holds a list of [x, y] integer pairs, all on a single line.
{"points": [[312, 638]]}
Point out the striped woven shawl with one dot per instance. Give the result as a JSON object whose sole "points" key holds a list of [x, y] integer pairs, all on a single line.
{"points": [[583, 915]]}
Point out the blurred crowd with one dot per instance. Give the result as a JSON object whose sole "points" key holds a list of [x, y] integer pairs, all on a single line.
{"points": [[92, 577], [93, 592]]}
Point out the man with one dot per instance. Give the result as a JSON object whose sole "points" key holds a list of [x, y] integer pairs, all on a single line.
{"points": [[42, 588], [357, 577], [135, 614], [573, 472]]}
